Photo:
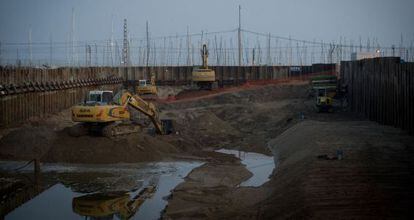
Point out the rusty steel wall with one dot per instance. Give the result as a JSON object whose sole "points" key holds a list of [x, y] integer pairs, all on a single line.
{"points": [[20, 107], [382, 90], [36, 92], [28, 92], [183, 73]]}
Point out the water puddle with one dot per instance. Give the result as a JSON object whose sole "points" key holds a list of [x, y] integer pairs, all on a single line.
{"points": [[147, 202], [260, 165]]}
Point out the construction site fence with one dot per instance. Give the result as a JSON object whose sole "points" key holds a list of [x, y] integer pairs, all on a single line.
{"points": [[28, 93], [381, 89]]}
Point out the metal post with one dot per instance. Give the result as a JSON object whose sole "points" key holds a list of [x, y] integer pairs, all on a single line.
{"points": [[30, 46], [240, 48], [51, 50], [125, 46], [148, 52], [239, 38], [37, 172]]}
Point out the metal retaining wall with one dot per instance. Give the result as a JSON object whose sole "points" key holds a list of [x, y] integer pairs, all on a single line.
{"points": [[381, 89], [33, 92]]}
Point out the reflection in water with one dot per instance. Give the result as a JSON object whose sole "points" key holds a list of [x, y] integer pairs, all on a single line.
{"points": [[60, 202], [53, 203], [106, 205], [260, 165]]}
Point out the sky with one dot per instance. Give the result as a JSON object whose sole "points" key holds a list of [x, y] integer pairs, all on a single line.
{"points": [[327, 20], [303, 19]]}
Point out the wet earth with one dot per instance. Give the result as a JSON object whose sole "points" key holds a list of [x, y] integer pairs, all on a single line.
{"points": [[113, 191], [113, 199]]}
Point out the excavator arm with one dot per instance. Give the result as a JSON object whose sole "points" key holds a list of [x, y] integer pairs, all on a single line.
{"points": [[144, 107]]}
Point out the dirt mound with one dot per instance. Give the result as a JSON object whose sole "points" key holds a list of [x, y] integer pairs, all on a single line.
{"points": [[204, 127], [57, 146], [86, 149], [165, 91], [374, 172], [26, 143]]}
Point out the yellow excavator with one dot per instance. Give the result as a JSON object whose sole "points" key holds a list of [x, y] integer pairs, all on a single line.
{"points": [[147, 89], [204, 77], [109, 115], [106, 205], [325, 88], [324, 102]]}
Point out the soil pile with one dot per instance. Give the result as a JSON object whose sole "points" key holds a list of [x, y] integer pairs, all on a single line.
{"points": [[57, 146], [165, 91]]}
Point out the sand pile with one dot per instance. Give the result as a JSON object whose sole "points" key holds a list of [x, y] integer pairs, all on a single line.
{"points": [[57, 146]]}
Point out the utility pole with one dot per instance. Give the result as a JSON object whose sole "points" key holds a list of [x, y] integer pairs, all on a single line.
{"points": [[179, 52], [239, 47], [239, 38], [393, 50], [269, 59], [148, 46], [30, 46], [253, 57], [51, 50], [112, 41], [86, 55], [188, 47], [313, 52], [192, 54], [322, 52], [331, 51], [72, 38], [290, 51], [103, 55], [164, 51], [0, 55], [298, 55], [401, 49], [125, 46], [216, 50], [96, 55], [17, 58], [116, 54]]}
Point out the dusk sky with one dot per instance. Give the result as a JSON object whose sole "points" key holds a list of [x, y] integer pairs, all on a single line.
{"points": [[302, 19]]}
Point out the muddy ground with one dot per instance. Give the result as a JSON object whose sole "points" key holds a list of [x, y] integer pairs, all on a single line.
{"points": [[373, 180]]}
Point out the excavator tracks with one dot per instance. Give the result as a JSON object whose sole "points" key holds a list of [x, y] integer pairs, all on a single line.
{"points": [[118, 129]]}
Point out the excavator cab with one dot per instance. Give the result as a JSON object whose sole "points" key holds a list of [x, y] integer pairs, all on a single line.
{"points": [[99, 97], [144, 82]]}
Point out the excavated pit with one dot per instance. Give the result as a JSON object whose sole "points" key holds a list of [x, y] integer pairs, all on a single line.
{"points": [[272, 120]]}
